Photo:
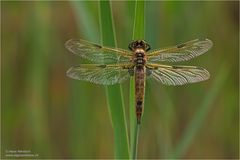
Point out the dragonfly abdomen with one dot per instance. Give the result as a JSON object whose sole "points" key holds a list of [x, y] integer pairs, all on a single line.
{"points": [[139, 91]]}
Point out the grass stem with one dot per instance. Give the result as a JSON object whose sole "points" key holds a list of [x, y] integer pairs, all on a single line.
{"points": [[114, 93]]}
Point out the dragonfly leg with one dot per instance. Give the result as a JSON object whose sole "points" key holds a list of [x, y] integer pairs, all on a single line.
{"points": [[131, 71]]}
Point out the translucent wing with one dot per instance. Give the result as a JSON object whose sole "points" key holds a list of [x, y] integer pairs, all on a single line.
{"points": [[100, 74], [177, 75], [97, 53], [181, 52]]}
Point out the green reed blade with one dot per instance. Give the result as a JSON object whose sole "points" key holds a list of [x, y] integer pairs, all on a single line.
{"points": [[114, 93]]}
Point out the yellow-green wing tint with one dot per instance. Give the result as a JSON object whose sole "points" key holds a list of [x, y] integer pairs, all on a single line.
{"points": [[177, 75], [181, 52], [97, 53], [100, 74]]}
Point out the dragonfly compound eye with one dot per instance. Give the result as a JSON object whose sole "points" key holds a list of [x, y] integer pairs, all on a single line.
{"points": [[133, 45], [147, 47]]}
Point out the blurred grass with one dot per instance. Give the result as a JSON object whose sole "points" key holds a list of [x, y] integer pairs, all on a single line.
{"points": [[85, 20], [33, 102], [80, 94], [114, 93], [35, 98], [201, 115], [138, 33]]}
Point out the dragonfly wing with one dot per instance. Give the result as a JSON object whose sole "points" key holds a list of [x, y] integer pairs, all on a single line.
{"points": [[181, 52], [97, 53], [100, 74], [177, 75]]}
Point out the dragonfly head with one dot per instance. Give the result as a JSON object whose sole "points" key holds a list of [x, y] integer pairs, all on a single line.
{"points": [[139, 44]]}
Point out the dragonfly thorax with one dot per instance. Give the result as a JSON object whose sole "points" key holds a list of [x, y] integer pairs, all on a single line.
{"points": [[139, 59]]}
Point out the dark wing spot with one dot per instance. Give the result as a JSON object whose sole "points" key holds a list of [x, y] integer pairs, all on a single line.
{"points": [[97, 46], [181, 45], [102, 66], [175, 67]]}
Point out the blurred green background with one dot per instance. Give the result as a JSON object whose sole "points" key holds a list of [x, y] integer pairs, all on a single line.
{"points": [[53, 116]]}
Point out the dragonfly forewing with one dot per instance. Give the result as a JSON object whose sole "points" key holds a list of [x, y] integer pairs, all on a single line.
{"points": [[181, 52], [97, 53]]}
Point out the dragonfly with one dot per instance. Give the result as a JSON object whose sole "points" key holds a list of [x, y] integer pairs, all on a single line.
{"points": [[115, 65]]}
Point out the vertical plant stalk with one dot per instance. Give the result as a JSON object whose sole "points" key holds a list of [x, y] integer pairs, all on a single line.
{"points": [[135, 141], [114, 94], [138, 33]]}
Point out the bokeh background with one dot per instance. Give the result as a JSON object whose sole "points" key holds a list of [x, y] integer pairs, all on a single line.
{"points": [[53, 116]]}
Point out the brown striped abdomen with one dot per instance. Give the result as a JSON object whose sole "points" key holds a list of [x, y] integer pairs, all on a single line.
{"points": [[139, 91]]}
